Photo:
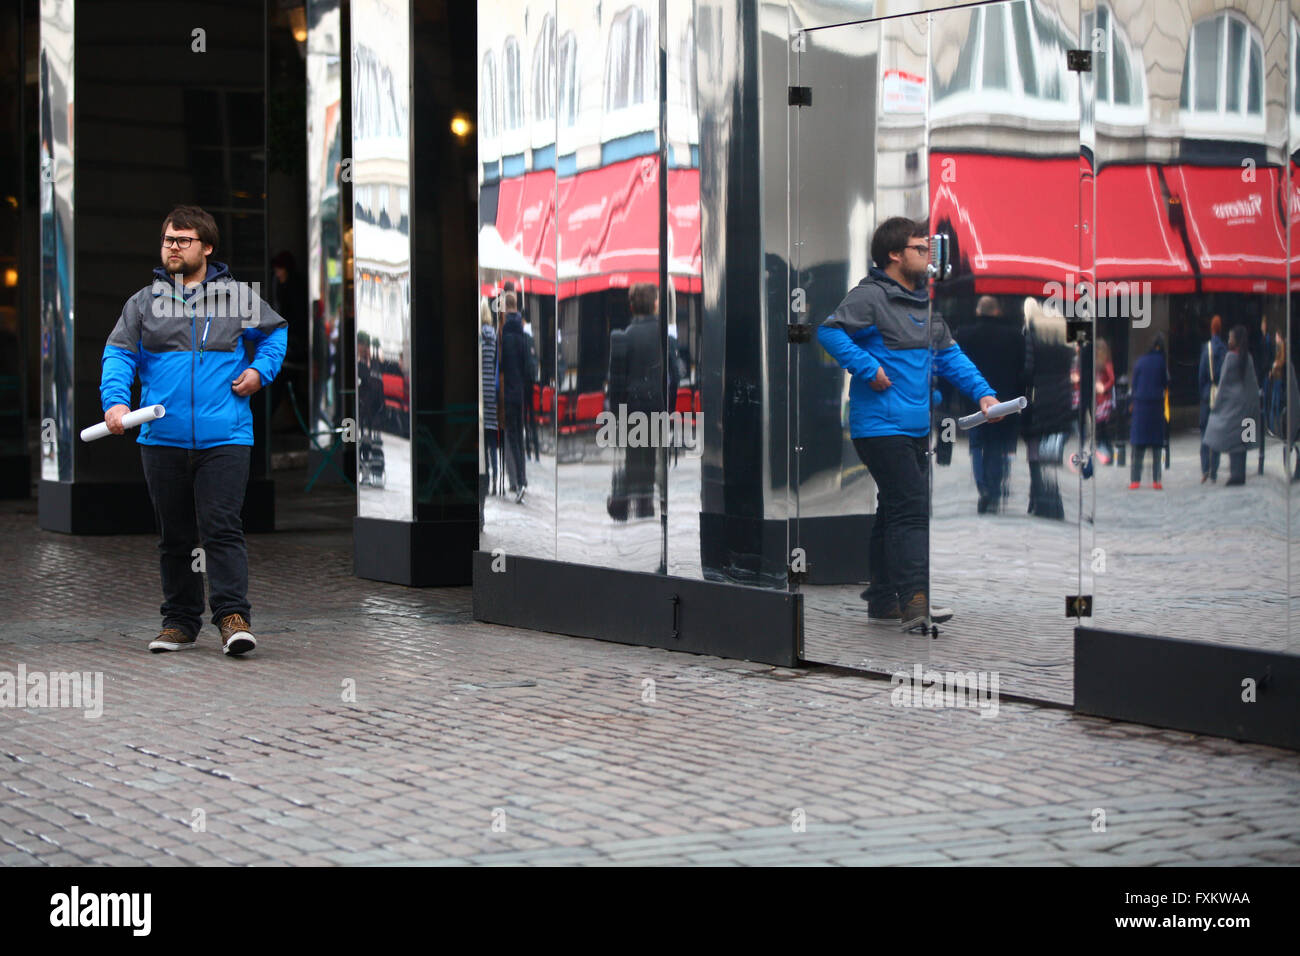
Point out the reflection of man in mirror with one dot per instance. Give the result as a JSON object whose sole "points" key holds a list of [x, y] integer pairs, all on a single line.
{"points": [[885, 337], [185, 336], [514, 346], [637, 372], [997, 348]]}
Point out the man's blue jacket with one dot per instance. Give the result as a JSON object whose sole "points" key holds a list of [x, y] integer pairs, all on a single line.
{"points": [[881, 323], [188, 346]]}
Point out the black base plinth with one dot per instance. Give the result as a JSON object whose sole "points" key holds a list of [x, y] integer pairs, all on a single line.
{"points": [[414, 553], [124, 507], [757, 551], [631, 607], [1189, 685]]}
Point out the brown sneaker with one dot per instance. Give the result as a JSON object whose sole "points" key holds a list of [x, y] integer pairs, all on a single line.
{"points": [[919, 614], [876, 611], [235, 635], [171, 639]]}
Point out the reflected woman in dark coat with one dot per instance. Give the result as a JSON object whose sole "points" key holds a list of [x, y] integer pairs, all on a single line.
{"points": [[1047, 421], [1147, 404], [1235, 421]]}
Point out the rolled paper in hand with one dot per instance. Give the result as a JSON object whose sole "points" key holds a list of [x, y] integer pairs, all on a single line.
{"points": [[129, 420], [995, 411]]}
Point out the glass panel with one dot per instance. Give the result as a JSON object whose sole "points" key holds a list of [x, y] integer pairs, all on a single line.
{"points": [[1190, 475], [612, 461], [869, 85], [517, 281], [1005, 495], [1236, 63]]}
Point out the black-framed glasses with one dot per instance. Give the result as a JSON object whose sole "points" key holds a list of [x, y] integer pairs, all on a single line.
{"points": [[924, 250], [180, 242]]}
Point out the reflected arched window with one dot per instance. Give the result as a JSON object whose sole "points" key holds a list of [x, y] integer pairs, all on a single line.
{"points": [[568, 79], [513, 102], [1118, 72], [628, 79], [1223, 74], [1017, 49], [488, 119], [544, 72]]}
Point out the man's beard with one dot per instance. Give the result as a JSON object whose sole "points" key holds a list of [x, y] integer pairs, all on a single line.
{"points": [[917, 277]]}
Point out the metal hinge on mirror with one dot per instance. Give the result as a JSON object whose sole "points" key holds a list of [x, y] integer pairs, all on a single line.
{"points": [[940, 267], [798, 333], [1079, 61], [1078, 605], [801, 96]]}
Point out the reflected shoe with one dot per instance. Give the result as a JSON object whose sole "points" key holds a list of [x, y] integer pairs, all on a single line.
{"points": [[645, 508], [919, 614], [519, 495], [1157, 486], [1134, 485], [236, 638], [888, 611], [172, 639]]}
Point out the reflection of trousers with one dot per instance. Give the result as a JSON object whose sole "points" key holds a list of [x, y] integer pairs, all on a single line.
{"points": [[899, 549], [530, 436], [641, 472], [197, 499], [515, 442], [1045, 453], [1209, 459], [490, 449], [1236, 467], [1139, 451], [990, 450]]}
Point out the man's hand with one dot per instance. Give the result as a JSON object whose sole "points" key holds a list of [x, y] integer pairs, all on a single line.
{"points": [[113, 418], [881, 381], [987, 402], [247, 383]]}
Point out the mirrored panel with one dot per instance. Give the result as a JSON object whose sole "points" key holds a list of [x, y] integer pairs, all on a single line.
{"points": [[1189, 372], [519, 65], [57, 330], [1285, 379], [381, 193], [333, 397], [686, 287], [611, 397], [858, 489]]}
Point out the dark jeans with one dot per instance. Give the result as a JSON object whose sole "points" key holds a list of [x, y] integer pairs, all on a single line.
{"points": [[197, 499], [990, 455], [1135, 473], [899, 549], [490, 450], [515, 441], [1236, 467]]}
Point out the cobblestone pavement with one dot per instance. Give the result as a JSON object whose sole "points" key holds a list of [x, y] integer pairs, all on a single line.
{"points": [[470, 744]]}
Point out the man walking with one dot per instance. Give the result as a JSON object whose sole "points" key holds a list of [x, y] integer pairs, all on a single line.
{"points": [[185, 337], [514, 374], [878, 335]]}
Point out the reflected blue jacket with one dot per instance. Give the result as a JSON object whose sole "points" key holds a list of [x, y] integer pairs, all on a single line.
{"points": [[188, 347], [881, 323]]}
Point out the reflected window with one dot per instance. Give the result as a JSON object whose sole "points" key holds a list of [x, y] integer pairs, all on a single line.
{"points": [[1015, 50], [513, 103], [544, 72], [1223, 72], [1119, 73], [568, 79], [489, 122], [628, 79]]}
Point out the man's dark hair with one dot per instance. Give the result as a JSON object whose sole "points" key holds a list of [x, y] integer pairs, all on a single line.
{"points": [[893, 235], [192, 217], [509, 302], [641, 298], [508, 285]]}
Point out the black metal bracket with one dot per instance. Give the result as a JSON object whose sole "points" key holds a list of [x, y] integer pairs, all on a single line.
{"points": [[796, 578], [677, 617], [798, 333], [801, 96], [1079, 61], [1078, 605]]}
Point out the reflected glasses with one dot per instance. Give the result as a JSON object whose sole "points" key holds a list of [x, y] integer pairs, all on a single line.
{"points": [[179, 242]]}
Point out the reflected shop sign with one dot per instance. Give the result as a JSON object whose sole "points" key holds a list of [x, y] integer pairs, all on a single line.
{"points": [[902, 92]]}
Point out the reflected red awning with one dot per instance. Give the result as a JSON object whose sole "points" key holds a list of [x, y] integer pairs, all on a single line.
{"points": [[525, 220], [1236, 227], [1013, 219], [1135, 240], [609, 227]]}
